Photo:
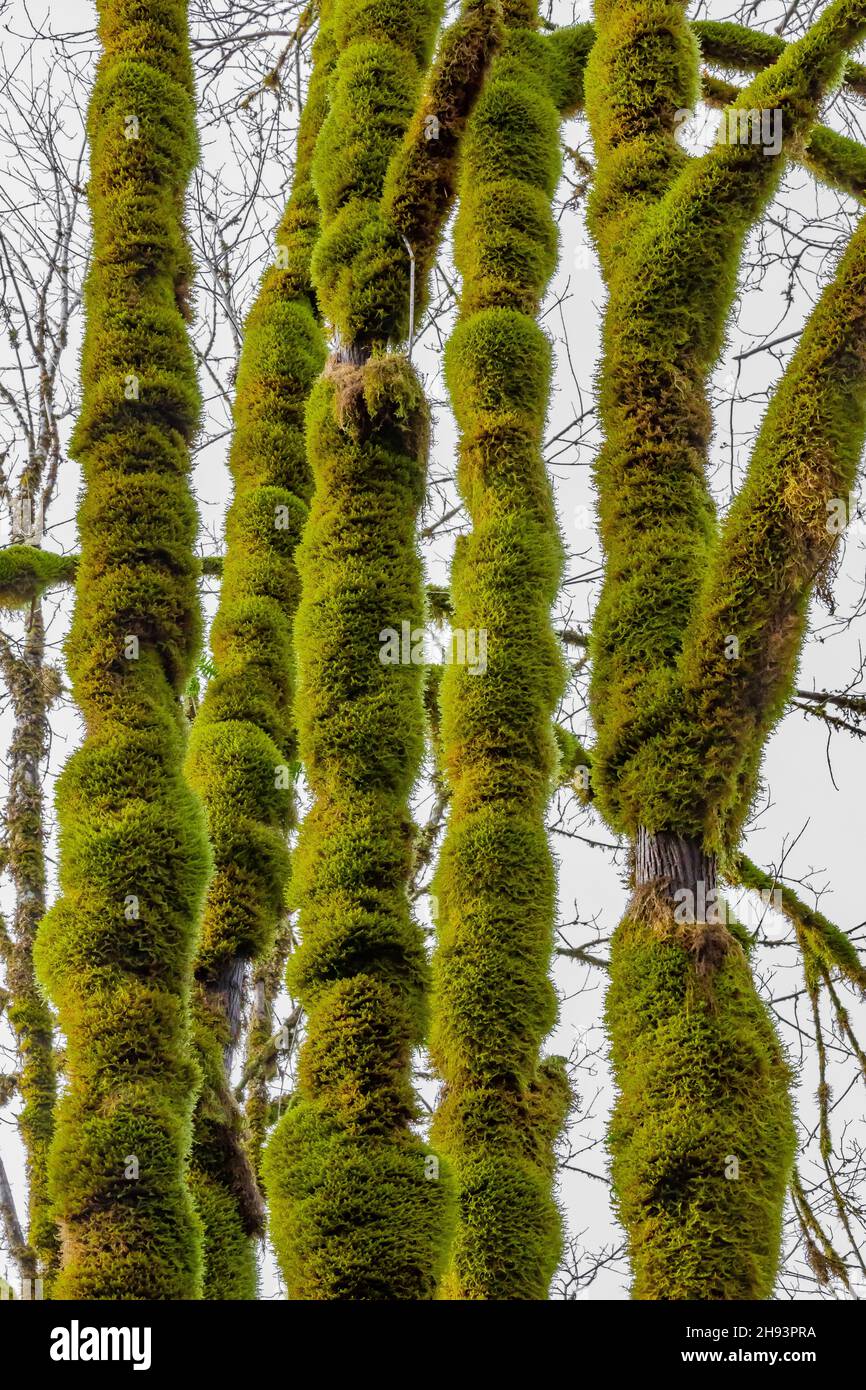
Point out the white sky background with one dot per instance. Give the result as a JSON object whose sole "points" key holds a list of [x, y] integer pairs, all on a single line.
{"points": [[818, 824]]}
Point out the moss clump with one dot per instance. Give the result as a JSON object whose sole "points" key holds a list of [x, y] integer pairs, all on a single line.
{"points": [[495, 885], [570, 48], [116, 950], [702, 1138]]}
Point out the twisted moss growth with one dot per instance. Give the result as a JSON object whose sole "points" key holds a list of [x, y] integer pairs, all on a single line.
{"points": [[421, 176], [116, 950], [361, 269], [357, 1202], [359, 1205], [493, 1002], [701, 1136], [243, 749]]}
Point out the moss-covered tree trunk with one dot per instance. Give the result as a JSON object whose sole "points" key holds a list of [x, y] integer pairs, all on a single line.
{"points": [[358, 1210], [696, 637], [30, 683], [360, 1206], [495, 886], [116, 950], [243, 750]]}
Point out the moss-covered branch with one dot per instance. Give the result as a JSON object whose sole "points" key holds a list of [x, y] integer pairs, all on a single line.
{"points": [[419, 188], [243, 750], [27, 572], [740, 656], [701, 1138], [834, 159], [663, 331], [642, 69], [495, 885], [359, 1206], [827, 942], [750, 50], [116, 949]]}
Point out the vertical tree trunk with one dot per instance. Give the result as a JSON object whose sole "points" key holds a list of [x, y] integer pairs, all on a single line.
{"points": [[493, 1001], [27, 680], [358, 1205], [243, 748], [701, 1137], [116, 949]]}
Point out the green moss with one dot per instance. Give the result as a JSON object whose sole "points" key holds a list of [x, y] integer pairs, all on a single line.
{"points": [[642, 70], [821, 937], [664, 327], [244, 742], [420, 183], [360, 1207], [358, 1203], [116, 950], [679, 726], [702, 1138], [360, 266], [26, 572], [570, 49], [777, 537], [222, 1182], [495, 885], [33, 1025], [750, 50]]}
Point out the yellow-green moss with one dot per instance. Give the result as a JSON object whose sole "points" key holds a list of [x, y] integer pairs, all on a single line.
{"points": [[243, 749], [421, 178], [670, 290], [701, 1137], [680, 726], [495, 885], [358, 1203], [116, 950], [777, 537], [360, 265], [26, 572]]}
